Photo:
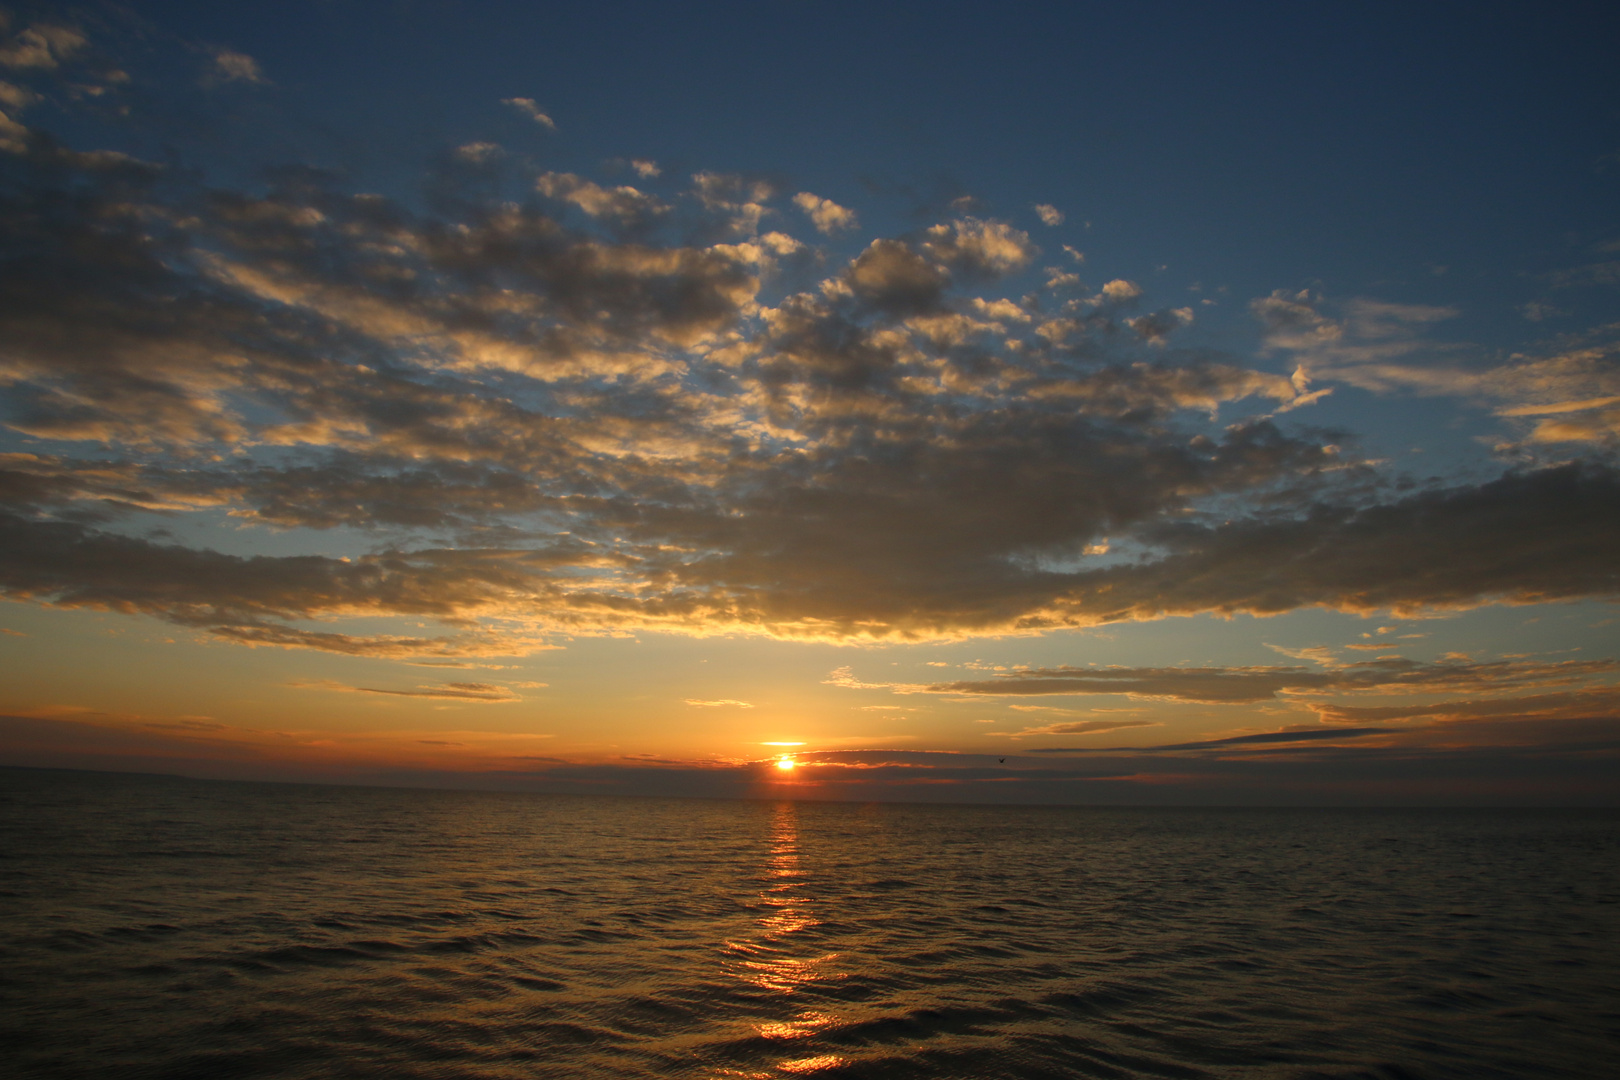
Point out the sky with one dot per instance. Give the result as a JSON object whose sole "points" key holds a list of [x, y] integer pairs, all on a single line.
{"points": [[1054, 403]]}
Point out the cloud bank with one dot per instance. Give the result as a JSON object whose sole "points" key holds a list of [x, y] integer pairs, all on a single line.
{"points": [[1499, 761], [569, 406]]}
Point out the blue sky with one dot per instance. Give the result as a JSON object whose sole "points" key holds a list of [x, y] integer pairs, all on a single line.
{"points": [[486, 393]]}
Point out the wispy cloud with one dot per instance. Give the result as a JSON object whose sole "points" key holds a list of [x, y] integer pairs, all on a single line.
{"points": [[529, 108], [1251, 684], [1569, 393], [1080, 727], [1586, 702], [490, 693]]}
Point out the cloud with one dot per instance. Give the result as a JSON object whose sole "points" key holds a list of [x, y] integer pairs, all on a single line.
{"points": [[528, 108], [1536, 311], [1244, 685], [1571, 395], [1523, 538], [249, 599], [57, 560], [1208, 685], [893, 278], [1573, 704], [1049, 214], [16, 97], [456, 691], [1316, 654], [979, 248], [1364, 345], [187, 724], [232, 66], [826, 215], [1568, 393], [845, 677], [601, 410], [736, 203], [1265, 741], [488, 693], [391, 646], [1058, 278], [645, 169], [479, 153], [1081, 727], [722, 703], [623, 204], [1599, 274], [42, 45], [1160, 324]]}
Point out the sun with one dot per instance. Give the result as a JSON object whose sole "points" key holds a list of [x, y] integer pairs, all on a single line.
{"points": [[786, 763]]}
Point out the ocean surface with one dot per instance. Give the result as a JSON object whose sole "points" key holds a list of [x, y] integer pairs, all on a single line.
{"points": [[158, 927]]}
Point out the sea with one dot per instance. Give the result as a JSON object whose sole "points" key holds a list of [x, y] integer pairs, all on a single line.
{"points": [[159, 927]]}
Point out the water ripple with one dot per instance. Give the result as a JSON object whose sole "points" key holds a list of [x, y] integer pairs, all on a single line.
{"points": [[164, 928]]}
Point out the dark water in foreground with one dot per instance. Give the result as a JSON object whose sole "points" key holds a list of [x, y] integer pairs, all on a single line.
{"points": [[169, 928]]}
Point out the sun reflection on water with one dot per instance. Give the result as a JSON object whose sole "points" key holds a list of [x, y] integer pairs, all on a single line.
{"points": [[810, 1064], [774, 959]]}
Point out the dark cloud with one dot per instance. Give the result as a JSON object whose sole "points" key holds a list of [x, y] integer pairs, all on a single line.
{"points": [[245, 599], [1238, 685], [904, 278], [456, 691], [1272, 738], [894, 279], [1523, 538], [1212, 685]]}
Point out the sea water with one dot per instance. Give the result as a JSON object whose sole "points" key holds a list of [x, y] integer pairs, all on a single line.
{"points": [[160, 927]]}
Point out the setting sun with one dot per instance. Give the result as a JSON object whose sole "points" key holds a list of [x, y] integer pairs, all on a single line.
{"points": [[786, 764]]}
